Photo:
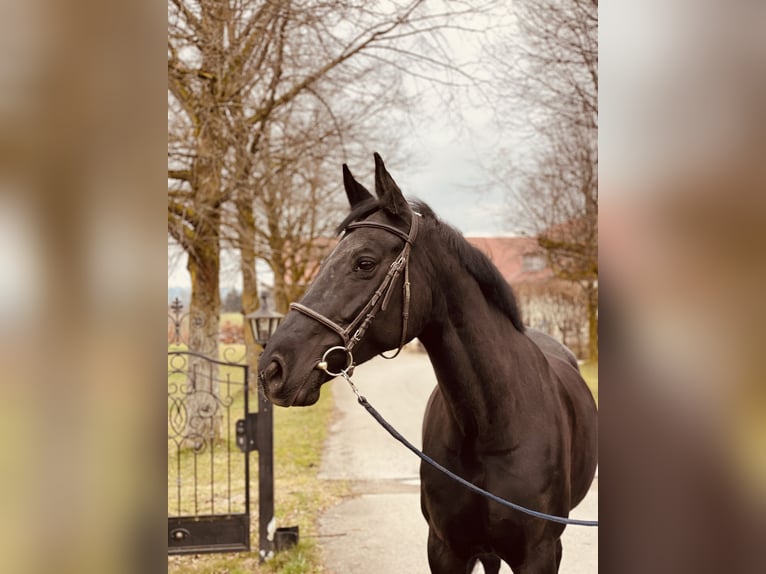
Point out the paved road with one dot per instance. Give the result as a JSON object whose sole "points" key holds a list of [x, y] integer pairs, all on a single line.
{"points": [[380, 530]]}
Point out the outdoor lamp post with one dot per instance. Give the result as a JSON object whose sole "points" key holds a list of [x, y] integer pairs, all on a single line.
{"points": [[263, 322], [259, 436]]}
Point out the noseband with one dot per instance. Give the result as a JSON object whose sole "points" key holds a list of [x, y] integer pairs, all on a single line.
{"points": [[379, 300]]}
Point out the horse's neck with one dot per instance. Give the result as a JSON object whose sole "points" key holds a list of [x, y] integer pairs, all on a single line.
{"points": [[483, 364]]}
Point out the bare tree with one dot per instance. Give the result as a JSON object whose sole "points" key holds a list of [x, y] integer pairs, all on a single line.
{"points": [[234, 66], [256, 90], [556, 63], [551, 87], [562, 197]]}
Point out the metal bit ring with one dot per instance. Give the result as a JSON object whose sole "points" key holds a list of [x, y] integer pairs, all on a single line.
{"points": [[323, 365]]}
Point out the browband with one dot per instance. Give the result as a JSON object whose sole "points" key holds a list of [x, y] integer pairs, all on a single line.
{"points": [[390, 228]]}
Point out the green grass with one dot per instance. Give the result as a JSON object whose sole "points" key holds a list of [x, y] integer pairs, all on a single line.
{"points": [[204, 477], [233, 318], [300, 497], [590, 374]]}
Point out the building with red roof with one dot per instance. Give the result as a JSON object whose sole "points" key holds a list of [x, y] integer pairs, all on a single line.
{"points": [[547, 303]]}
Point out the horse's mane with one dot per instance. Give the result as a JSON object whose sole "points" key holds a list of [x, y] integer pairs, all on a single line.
{"points": [[493, 285]]}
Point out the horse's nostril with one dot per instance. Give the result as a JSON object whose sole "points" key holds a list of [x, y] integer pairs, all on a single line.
{"points": [[272, 374]]}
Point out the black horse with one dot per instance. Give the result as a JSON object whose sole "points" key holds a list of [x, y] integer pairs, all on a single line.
{"points": [[511, 412]]}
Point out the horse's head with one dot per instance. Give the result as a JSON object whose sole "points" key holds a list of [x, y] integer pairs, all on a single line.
{"points": [[357, 302]]}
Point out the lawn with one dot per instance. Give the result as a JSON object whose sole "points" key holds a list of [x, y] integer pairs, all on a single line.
{"points": [[299, 435], [233, 318], [590, 374]]}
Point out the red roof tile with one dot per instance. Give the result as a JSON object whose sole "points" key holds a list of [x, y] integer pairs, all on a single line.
{"points": [[508, 253]]}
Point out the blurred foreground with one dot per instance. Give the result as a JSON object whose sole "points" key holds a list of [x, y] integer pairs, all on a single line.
{"points": [[82, 287]]}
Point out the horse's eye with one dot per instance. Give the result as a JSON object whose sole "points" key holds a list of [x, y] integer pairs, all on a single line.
{"points": [[365, 265]]}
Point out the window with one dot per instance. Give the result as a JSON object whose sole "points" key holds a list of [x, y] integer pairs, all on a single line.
{"points": [[533, 262]]}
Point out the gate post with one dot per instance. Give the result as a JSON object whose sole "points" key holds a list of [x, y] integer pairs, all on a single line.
{"points": [[263, 323], [265, 439]]}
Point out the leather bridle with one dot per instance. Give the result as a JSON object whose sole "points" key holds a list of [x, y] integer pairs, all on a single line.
{"points": [[354, 331], [359, 325]]}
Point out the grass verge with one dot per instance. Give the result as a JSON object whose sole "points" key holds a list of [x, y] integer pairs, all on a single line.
{"points": [[590, 374]]}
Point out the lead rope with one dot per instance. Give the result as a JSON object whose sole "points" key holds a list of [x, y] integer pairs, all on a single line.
{"points": [[397, 435]]}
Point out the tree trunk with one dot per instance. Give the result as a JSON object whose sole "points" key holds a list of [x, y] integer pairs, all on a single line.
{"points": [[277, 247], [204, 414], [281, 301], [250, 301], [591, 295]]}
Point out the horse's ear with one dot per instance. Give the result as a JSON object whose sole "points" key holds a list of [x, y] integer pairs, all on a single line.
{"points": [[390, 195], [355, 191]]}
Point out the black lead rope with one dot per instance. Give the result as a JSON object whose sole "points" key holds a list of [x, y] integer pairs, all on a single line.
{"points": [[345, 373], [394, 433]]}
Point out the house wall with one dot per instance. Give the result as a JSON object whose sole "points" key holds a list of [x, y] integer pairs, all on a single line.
{"points": [[558, 309]]}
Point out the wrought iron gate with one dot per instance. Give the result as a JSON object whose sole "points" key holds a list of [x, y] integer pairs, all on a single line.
{"points": [[210, 434], [208, 476]]}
